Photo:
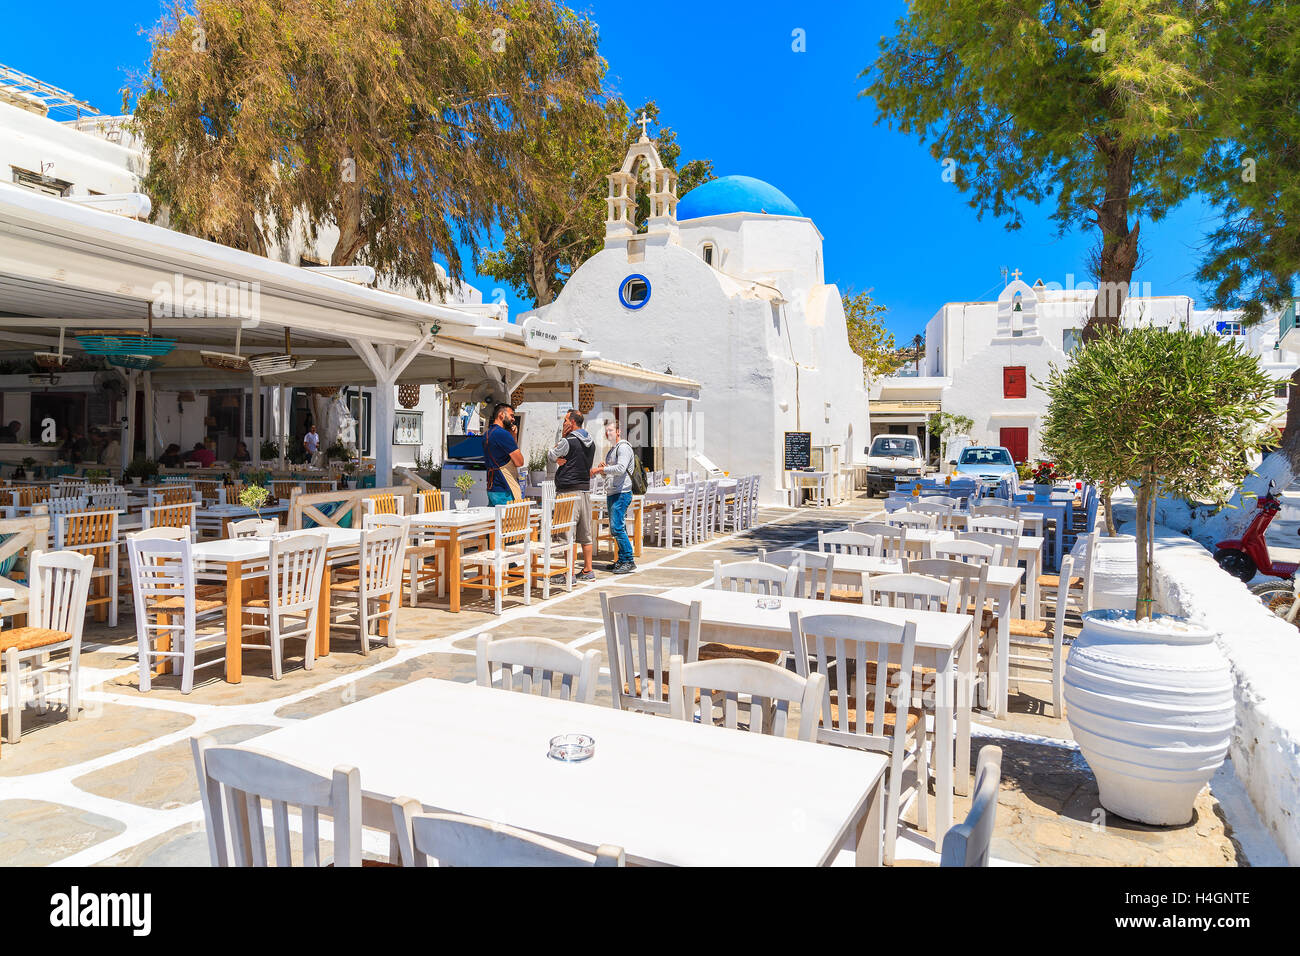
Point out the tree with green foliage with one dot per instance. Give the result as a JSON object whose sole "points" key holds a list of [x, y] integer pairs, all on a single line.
{"points": [[557, 220], [868, 337], [403, 124], [1176, 412], [1086, 102]]}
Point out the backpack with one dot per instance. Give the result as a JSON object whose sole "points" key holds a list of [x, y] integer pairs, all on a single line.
{"points": [[636, 472]]}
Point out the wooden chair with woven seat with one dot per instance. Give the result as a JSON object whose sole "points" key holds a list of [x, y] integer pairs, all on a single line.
{"points": [[1078, 587], [941, 512], [94, 533], [1007, 547], [750, 577], [253, 528], [913, 520], [642, 631], [285, 490], [510, 549], [553, 551], [868, 712], [370, 599], [432, 500], [980, 548], [233, 782], [1011, 527], [294, 571], [58, 582], [455, 840], [1040, 634], [384, 503], [765, 691], [991, 510], [165, 591], [538, 665], [816, 571], [180, 515], [967, 843], [173, 494], [850, 542]]}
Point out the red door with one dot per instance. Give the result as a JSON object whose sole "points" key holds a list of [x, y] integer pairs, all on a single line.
{"points": [[1016, 441], [1013, 381]]}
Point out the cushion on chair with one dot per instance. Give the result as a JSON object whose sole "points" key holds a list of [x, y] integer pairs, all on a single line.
{"points": [[714, 652], [1027, 628], [26, 638], [1054, 581], [178, 604], [867, 717]]}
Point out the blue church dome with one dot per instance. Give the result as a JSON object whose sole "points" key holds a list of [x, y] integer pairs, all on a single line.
{"points": [[735, 194]]}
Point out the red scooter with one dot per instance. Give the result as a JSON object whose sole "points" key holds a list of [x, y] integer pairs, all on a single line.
{"points": [[1245, 556]]}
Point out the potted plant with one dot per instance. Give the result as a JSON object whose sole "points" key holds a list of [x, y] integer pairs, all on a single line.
{"points": [[537, 467], [254, 497], [465, 483], [145, 469], [1149, 696], [349, 476]]}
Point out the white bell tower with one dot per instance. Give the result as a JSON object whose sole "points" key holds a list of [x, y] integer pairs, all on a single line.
{"points": [[620, 224]]}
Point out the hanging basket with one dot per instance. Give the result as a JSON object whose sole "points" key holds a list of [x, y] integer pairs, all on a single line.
{"points": [[325, 391], [586, 398], [408, 396], [124, 342], [50, 361], [224, 360], [139, 363], [517, 397], [279, 364]]}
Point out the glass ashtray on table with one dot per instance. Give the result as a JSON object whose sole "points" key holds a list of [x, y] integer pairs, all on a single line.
{"points": [[767, 603], [572, 748]]}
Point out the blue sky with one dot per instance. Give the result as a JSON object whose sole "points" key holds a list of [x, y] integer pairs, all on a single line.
{"points": [[731, 85]]}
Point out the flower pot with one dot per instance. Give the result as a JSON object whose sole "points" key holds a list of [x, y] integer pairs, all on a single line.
{"points": [[1151, 706], [535, 478], [1114, 570], [462, 504]]}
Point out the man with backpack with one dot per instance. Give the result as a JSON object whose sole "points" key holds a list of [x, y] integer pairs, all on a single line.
{"points": [[574, 455], [619, 463]]}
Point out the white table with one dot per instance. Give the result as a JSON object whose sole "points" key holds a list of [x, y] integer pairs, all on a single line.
{"points": [[213, 518], [669, 495], [666, 791], [944, 641], [796, 481], [231, 559], [451, 529]]}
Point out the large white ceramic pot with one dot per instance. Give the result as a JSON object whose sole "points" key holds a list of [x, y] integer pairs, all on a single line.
{"points": [[1151, 707], [1114, 572]]}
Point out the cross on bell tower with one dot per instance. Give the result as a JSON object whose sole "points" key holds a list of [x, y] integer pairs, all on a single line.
{"points": [[643, 122], [620, 225]]}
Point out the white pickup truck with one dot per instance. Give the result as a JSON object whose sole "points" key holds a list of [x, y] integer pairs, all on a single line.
{"points": [[891, 457]]}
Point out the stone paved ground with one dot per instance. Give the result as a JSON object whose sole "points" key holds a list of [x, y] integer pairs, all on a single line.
{"points": [[117, 786]]}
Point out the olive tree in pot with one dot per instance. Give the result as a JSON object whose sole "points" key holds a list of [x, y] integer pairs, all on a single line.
{"points": [[1149, 696]]}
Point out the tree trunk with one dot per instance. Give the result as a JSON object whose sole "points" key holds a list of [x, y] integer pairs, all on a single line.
{"points": [[1118, 255], [1106, 495], [1143, 542], [351, 238], [540, 277]]}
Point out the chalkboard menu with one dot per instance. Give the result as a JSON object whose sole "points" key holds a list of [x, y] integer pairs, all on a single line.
{"points": [[798, 450]]}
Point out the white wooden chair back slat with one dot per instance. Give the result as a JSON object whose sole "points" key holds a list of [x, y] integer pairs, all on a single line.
{"points": [[466, 841], [642, 631], [254, 528], [851, 542], [233, 782], [766, 691], [755, 577], [967, 843], [914, 591], [816, 570], [538, 665]]}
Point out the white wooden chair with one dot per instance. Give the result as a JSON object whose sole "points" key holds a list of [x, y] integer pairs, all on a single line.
{"points": [[169, 606], [108, 498], [866, 705], [58, 582], [767, 691], [455, 840], [850, 542], [429, 501], [733, 507], [1011, 527], [57, 507], [383, 503], [917, 592], [816, 570], [495, 566], [964, 549], [967, 843], [371, 599], [932, 506], [1078, 588], [990, 510], [292, 600], [893, 539], [750, 577], [553, 551], [912, 519], [1007, 546], [1041, 634], [254, 528], [233, 782], [642, 631], [541, 663]]}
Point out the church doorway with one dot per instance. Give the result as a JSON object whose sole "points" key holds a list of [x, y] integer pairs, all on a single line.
{"points": [[637, 425]]}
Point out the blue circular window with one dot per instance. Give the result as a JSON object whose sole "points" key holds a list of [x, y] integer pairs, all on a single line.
{"points": [[634, 293]]}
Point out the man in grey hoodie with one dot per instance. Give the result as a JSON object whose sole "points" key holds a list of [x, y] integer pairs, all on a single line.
{"points": [[573, 455], [617, 469]]}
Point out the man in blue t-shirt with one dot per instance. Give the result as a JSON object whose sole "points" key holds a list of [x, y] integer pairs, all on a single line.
{"points": [[501, 451]]}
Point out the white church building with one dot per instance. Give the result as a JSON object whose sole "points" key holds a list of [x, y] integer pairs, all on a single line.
{"points": [[984, 359], [726, 287]]}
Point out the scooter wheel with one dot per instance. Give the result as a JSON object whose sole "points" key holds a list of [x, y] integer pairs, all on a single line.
{"points": [[1278, 596], [1237, 563]]}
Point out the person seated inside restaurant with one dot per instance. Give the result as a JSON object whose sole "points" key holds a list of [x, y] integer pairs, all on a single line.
{"points": [[171, 458], [110, 450], [241, 452], [9, 433], [204, 455], [75, 447]]}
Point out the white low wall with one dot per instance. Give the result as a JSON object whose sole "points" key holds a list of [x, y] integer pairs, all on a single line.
{"points": [[1264, 652]]}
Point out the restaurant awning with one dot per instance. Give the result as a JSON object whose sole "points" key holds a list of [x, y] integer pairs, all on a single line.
{"points": [[911, 409]]}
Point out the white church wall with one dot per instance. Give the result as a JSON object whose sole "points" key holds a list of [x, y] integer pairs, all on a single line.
{"points": [[89, 163]]}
